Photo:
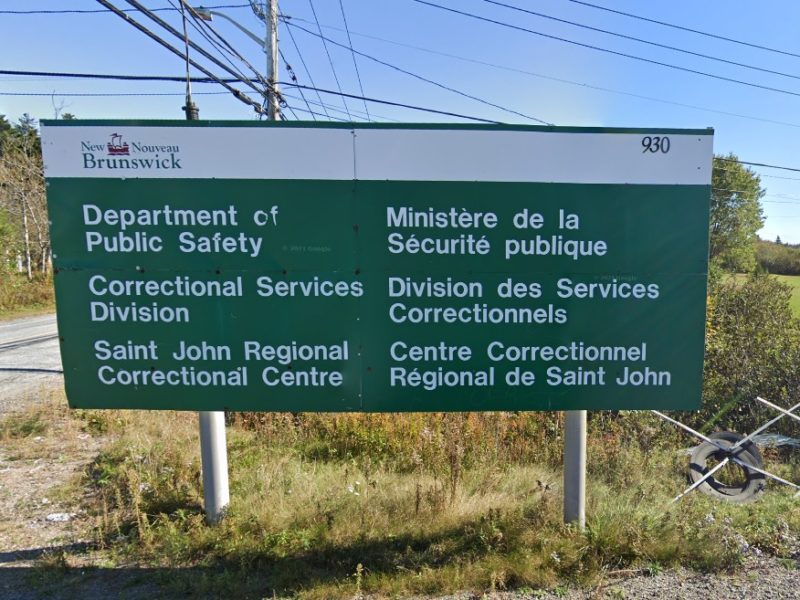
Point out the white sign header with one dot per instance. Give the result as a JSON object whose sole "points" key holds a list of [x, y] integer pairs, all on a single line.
{"points": [[398, 154]]}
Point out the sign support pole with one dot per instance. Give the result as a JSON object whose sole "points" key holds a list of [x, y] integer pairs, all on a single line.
{"points": [[214, 458], [575, 467]]}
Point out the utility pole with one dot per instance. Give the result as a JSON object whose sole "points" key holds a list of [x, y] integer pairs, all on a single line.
{"points": [[271, 50]]}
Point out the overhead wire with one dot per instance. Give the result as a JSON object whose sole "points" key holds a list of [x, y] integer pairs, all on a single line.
{"points": [[558, 79], [114, 76], [293, 77], [330, 60], [609, 50], [108, 94], [236, 93], [101, 11], [334, 109], [224, 48], [217, 80], [305, 66], [641, 40], [315, 114], [290, 108], [353, 54], [156, 19], [758, 164], [689, 29], [425, 79], [398, 104]]}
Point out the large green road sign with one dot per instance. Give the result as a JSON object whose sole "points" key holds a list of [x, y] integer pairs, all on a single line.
{"points": [[316, 267]]}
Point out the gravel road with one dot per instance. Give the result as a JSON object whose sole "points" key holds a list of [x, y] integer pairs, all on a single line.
{"points": [[29, 358]]}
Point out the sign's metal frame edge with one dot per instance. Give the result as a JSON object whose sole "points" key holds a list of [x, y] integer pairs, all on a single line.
{"points": [[353, 125]]}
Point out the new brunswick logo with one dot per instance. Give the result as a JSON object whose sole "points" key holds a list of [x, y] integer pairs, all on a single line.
{"points": [[116, 147], [118, 153]]}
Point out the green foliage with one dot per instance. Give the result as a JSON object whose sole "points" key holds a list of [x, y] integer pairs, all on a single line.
{"points": [[752, 348], [736, 214], [8, 242], [777, 258], [23, 133]]}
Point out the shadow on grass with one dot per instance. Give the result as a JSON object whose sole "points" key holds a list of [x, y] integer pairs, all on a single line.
{"points": [[253, 573]]}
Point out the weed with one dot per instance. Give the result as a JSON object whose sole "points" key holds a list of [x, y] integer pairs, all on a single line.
{"points": [[418, 500], [22, 425], [18, 296]]}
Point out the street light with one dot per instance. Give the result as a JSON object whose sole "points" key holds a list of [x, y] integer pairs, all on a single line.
{"points": [[269, 45]]}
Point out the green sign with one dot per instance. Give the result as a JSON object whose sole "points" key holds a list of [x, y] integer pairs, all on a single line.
{"points": [[321, 267]]}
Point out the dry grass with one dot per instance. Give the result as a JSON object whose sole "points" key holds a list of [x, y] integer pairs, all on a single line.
{"points": [[441, 514], [333, 506], [20, 297]]}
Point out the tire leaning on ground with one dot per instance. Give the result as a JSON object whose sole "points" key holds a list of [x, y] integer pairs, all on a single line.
{"points": [[748, 453]]}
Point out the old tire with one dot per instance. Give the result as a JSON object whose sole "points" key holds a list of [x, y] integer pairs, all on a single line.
{"points": [[748, 453], [748, 447]]}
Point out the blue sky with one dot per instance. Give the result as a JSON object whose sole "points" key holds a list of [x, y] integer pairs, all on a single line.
{"points": [[547, 79]]}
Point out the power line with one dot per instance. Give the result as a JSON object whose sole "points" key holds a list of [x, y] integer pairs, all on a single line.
{"points": [[101, 11], [425, 79], [216, 80], [115, 76], [758, 164], [353, 54], [642, 41], [689, 29], [202, 51], [361, 113], [315, 114], [398, 104], [779, 177], [305, 66], [557, 79], [293, 77], [330, 60], [608, 50], [237, 93], [108, 94], [199, 24]]}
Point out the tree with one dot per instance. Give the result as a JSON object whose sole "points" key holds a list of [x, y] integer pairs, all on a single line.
{"points": [[736, 214], [778, 240], [22, 197], [8, 237]]}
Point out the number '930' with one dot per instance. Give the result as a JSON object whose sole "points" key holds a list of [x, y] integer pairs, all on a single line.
{"points": [[655, 143]]}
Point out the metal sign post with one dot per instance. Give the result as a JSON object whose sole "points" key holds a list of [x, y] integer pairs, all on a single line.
{"points": [[575, 467], [214, 457]]}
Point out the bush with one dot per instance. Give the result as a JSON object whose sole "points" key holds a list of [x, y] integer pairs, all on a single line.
{"points": [[752, 349], [778, 259]]}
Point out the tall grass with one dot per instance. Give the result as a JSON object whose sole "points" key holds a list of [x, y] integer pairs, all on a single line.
{"points": [[332, 506], [20, 296]]}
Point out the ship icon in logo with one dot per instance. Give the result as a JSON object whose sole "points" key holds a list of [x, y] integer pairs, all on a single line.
{"points": [[116, 147]]}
